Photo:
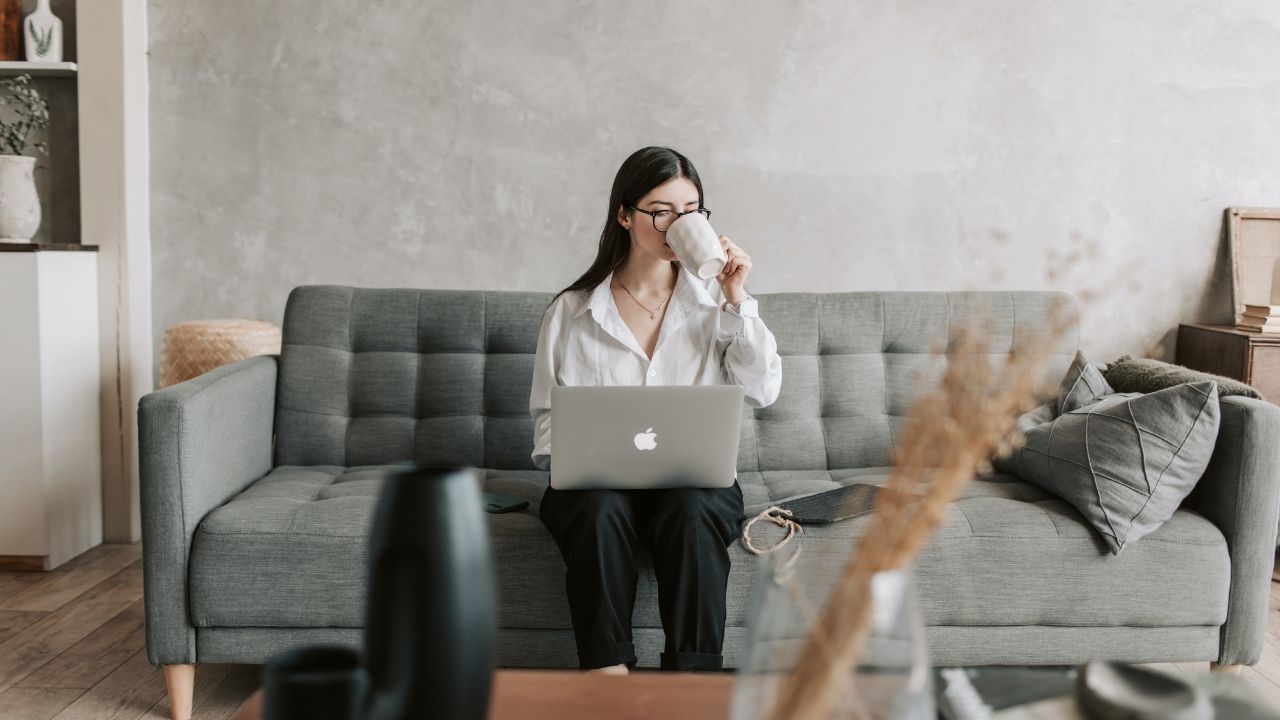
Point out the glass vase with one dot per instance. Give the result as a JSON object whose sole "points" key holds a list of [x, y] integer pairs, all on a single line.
{"points": [[890, 679]]}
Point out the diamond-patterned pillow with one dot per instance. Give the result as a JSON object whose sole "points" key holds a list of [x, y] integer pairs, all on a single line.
{"points": [[1124, 460], [1083, 384]]}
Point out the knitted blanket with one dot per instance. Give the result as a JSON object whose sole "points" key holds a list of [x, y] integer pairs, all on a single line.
{"points": [[1128, 374]]}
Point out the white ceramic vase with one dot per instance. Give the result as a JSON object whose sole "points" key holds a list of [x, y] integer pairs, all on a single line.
{"points": [[42, 32], [19, 204]]}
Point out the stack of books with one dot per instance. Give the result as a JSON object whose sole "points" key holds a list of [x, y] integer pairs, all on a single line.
{"points": [[1260, 319]]}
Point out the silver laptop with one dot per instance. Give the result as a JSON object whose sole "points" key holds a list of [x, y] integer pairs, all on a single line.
{"points": [[631, 437]]}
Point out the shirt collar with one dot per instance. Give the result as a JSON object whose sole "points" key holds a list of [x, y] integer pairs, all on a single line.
{"points": [[689, 291], [599, 300]]}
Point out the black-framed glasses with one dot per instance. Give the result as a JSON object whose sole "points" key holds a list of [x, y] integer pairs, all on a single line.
{"points": [[662, 219]]}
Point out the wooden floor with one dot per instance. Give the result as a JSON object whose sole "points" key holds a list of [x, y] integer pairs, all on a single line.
{"points": [[72, 646]]}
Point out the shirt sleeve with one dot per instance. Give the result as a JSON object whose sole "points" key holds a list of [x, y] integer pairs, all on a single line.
{"points": [[546, 370], [749, 353]]}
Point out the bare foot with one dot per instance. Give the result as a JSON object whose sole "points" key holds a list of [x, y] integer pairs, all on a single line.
{"points": [[619, 669]]}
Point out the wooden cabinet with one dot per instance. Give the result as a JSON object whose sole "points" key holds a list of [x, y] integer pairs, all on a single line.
{"points": [[1253, 358]]}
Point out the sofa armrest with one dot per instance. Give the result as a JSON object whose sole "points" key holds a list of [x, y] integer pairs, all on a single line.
{"points": [[1240, 493], [200, 443]]}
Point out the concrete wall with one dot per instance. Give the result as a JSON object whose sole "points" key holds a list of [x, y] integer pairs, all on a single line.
{"points": [[922, 145]]}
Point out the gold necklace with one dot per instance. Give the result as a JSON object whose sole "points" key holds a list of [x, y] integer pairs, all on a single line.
{"points": [[654, 312]]}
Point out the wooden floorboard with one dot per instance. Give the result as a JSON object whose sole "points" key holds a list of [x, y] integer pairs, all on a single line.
{"points": [[13, 622], [12, 583], [126, 694], [239, 683], [88, 661], [57, 588], [57, 631], [72, 647], [35, 703]]}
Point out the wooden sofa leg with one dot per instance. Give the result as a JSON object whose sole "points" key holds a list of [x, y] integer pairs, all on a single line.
{"points": [[180, 683], [1231, 669]]}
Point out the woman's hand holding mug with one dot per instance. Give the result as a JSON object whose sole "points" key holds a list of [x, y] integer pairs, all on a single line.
{"points": [[734, 276], [698, 248]]}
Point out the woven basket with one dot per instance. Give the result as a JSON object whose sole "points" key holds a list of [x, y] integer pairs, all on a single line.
{"points": [[195, 347]]}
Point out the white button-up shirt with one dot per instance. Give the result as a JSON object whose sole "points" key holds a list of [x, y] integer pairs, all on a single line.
{"points": [[702, 341]]}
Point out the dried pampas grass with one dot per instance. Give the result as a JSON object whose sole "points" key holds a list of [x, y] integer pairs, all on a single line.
{"points": [[951, 434]]}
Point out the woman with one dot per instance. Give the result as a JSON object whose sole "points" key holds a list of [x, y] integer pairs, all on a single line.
{"points": [[635, 317]]}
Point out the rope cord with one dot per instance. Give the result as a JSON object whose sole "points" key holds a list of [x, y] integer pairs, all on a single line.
{"points": [[782, 519]]}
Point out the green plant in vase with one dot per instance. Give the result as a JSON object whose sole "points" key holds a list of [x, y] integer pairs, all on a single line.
{"points": [[22, 111], [30, 112], [44, 40]]}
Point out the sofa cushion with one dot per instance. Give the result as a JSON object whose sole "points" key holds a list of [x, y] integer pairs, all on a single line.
{"points": [[442, 377], [289, 552], [1126, 460], [378, 376]]}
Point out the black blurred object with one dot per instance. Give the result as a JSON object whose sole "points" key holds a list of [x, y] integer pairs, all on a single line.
{"points": [[321, 682], [1045, 691], [499, 503], [430, 621], [1115, 691], [1001, 687]]}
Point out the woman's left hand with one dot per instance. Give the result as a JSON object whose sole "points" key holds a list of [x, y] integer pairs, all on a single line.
{"points": [[733, 278]]}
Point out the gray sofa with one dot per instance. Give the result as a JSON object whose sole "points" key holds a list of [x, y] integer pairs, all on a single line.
{"points": [[259, 478]]}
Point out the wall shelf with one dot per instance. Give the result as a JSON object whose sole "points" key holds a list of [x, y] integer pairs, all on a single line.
{"points": [[11, 68]]}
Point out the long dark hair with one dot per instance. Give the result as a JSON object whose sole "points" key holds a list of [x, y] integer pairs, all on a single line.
{"points": [[646, 169]]}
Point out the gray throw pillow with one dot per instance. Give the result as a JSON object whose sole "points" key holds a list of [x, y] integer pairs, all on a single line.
{"points": [[1124, 460], [1143, 375], [1082, 385], [1039, 416]]}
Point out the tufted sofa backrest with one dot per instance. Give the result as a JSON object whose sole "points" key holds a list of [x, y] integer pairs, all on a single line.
{"points": [[371, 376]]}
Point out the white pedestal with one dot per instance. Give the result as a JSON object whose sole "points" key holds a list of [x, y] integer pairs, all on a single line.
{"points": [[50, 463]]}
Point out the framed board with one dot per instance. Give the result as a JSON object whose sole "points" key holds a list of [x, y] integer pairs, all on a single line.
{"points": [[1253, 236]]}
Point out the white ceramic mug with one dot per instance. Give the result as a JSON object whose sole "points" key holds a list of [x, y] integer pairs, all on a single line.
{"points": [[696, 245]]}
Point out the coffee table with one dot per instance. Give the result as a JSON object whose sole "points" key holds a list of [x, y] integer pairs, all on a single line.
{"points": [[574, 695]]}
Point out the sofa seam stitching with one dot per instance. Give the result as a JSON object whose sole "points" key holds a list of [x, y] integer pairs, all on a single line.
{"points": [[186, 541], [351, 368], [822, 426], [884, 368], [417, 376]]}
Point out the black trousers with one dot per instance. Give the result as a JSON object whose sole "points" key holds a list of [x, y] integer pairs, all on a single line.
{"points": [[687, 532]]}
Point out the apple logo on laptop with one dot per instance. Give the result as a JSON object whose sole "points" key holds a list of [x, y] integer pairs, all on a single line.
{"points": [[646, 440]]}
